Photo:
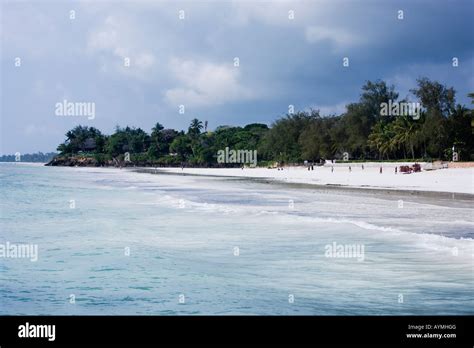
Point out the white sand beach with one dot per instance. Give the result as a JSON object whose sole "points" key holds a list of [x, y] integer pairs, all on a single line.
{"points": [[457, 180]]}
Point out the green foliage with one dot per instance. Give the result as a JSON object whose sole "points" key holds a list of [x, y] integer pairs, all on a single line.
{"points": [[29, 157], [132, 140], [281, 142], [360, 131], [102, 158], [82, 138], [195, 127], [382, 139], [181, 146]]}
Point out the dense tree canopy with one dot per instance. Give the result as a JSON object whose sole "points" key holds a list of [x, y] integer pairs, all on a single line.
{"points": [[361, 131]]}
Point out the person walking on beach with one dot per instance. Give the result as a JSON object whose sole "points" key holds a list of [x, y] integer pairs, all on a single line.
{"points": [[350, 169], [380, 169], [332, 169], [396, 170], [362, 166]]}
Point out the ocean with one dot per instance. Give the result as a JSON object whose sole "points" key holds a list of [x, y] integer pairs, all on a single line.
{"points": [[121, 242]]}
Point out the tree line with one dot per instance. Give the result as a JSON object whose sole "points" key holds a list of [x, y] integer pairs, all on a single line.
{"points": [[361, 132], [29, 157]]}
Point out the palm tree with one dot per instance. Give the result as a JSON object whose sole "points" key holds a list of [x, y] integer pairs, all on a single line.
{"points": [[194, 131], [156, 132], [407, 132], [76, 137], [382, 139], [157, 128], [195, 127]]}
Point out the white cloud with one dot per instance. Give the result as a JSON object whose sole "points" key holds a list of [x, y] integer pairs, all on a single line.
{"points": [[327, 110], [117, 37], [106, 40], [145, 60], [205, 84]]}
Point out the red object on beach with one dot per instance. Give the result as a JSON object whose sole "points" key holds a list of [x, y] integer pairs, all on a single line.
{"points": [[405, 169], [416, 168]]}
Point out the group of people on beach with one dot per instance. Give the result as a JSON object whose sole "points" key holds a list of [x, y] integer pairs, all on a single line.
{"points": [[310, 167]]}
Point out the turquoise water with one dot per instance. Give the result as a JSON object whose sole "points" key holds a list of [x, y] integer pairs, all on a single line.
{"points": [[183, 232]]}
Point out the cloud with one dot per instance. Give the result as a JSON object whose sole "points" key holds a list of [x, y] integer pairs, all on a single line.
{"points": [[328, 110], [203, 84], [116, 37], [189, 61], [107, 38], [339, 38], [276, 13], [404, 77], [24, 29]]}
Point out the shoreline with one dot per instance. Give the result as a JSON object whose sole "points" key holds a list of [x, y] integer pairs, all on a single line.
{"points": [[423, 183], [330, 187], [454, 183]]}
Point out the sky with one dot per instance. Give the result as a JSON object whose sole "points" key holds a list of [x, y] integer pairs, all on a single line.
{"points": [[137, 62]]}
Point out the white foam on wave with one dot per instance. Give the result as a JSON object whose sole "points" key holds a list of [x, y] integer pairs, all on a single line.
{"points": [[429, 241], [181, 203], [461, 246], [426, 240]]}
